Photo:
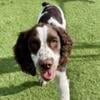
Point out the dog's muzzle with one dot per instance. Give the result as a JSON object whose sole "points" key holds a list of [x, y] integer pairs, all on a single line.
{"points": [[47, 72], [46, 64]]}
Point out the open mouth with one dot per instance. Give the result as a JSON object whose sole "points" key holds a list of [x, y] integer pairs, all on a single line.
{"points": [[48, 74]]}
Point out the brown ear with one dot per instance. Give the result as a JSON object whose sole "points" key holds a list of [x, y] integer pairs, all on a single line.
{"points": [[66, 46], [22, 54]]}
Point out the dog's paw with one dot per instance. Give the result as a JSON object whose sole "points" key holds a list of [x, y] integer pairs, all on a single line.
{"points": [[42, 82]]}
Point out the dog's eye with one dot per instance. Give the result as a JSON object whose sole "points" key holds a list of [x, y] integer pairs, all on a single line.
{"points": [[35, 45], [53, 43]]}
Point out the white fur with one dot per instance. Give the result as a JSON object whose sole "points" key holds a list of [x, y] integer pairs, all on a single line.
{"points": [[45, 51], [52, 20], [63, 18], [55, 22], [63, 85]]}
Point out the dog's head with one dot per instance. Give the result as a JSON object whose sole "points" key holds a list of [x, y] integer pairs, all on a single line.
{"points": [[44, 47]]}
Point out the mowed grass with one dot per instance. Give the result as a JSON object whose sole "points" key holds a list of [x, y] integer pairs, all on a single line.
{"points": [[83, 18]]}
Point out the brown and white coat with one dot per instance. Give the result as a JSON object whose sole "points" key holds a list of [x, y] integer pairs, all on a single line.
{"points": [[46, 47]]}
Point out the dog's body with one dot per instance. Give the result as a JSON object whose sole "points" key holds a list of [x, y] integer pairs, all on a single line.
{"points": [[46, 47], [52, 15]]}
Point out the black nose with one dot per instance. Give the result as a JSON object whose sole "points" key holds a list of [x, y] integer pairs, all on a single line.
{"points": [[46, 64]]}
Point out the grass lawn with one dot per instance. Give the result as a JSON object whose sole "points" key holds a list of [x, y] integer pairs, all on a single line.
{"points": [[83, 18]]}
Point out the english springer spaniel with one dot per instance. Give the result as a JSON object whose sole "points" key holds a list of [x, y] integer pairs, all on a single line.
{"points": [[46, 47]]}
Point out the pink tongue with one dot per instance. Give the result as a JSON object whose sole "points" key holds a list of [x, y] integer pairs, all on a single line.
{"points": [[48, 74]]}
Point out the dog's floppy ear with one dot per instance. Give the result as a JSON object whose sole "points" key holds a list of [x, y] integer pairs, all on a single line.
{"points": [[66, 46], [22, 54]]}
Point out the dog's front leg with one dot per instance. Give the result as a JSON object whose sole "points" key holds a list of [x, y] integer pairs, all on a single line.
{"points": [[42, 82], [63, 85]]}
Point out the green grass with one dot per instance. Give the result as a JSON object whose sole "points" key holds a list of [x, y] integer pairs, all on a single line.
{"points": [[83, 18]]}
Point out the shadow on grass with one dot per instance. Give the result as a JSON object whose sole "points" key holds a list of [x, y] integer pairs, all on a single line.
{"points": [[84, 45], [16, 89], [8, 65], [86, 57], [63, 1]]}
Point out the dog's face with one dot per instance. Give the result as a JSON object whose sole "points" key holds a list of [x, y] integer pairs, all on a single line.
{"points": [[45, 45]]}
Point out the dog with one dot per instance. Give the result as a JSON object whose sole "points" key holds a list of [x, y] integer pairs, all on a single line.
{"points": [[46, 47]]}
